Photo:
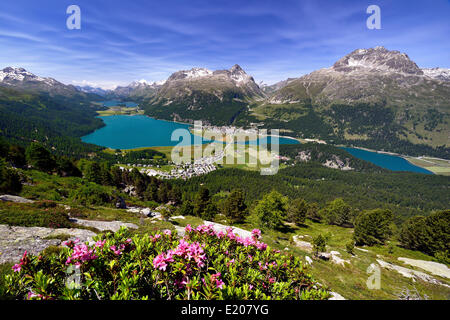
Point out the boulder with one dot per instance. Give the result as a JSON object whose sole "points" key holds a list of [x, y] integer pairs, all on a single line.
{"points": [[324, 255], [303, 245], [10, 198], [105, 225], [336, 296], [14, 240], [220, 227]]}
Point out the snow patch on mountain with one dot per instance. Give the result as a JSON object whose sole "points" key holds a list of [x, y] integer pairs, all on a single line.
{"points": [[437, 73], [197, 73]]}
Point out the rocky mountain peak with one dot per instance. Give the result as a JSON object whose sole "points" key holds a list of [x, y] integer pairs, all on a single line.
{"points": [[440, 74], [236, 69], [190, 74], [377, 59], [17, 74], [239, 75]]}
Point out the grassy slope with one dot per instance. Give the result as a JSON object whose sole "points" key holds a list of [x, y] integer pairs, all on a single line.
{"points": [[349, 281]]}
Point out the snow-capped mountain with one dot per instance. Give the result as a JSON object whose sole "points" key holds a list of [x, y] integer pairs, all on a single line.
{"points": [[200, 93], [217, 81], [90, 89], [136, 89], [13, 76], [19, 78], [437, 73], [369, 75]]}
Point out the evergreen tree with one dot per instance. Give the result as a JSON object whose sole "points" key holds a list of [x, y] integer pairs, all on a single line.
{"points": [[175, 195], [338, 212], [91, 171], [40, 158], [16, 156], [186, 208], [313, 212], [319, 244], [210, 211], [373, 227], [427, 234], [116, 176], [297, 211], [202, 199], [151, 193], [234, 207], [66, 168], [105, 174], [9, 179], [163, 193], [271, 210]]}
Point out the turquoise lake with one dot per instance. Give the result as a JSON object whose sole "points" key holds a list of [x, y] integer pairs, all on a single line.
{"points": [[386, 161], [129, 132]]}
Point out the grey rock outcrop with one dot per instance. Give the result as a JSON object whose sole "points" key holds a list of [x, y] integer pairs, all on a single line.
{"points": [[14, 241]]}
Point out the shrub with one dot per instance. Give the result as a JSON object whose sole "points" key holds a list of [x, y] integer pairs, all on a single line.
{"points": [[443, 256], [204, 265], [350, 246], [91, 194], [31, 215], [373, 227], [319, 244], [167, 212]]}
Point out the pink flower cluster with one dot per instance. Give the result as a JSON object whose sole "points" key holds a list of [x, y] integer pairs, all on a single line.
{"points": [[121, 247], [156, 237], [99, 244], [117, 250], [70, 243], [249, 241], [256, 233], [188, 251], [23, 261], [215, 278], [81, 253]]}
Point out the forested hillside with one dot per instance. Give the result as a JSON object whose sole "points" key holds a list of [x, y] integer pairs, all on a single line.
{"points": [[57, 122], [406, 194]]}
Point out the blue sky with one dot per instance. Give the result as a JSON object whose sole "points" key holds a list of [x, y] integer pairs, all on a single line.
{"points": [[122, 41]]}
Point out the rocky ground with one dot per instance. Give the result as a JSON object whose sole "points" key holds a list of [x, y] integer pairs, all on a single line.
{"points": [[15, 240]]}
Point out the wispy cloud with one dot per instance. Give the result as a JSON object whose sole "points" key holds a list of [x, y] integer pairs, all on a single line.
{"points": [[123, 41]]}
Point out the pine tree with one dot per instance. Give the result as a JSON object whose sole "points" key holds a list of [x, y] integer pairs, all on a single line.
{"points": [[373, 227], [234, 207], [298, 208], [40, 158], [271, 210]]}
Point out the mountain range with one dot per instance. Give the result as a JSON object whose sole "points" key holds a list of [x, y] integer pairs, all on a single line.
{"points": [[374, 97]]}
